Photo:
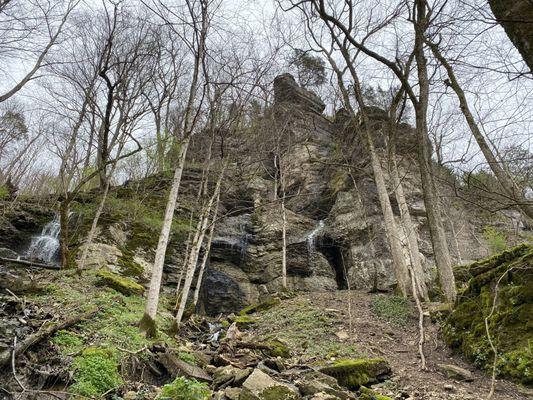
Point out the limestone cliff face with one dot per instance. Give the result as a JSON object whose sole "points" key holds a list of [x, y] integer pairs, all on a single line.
{"points": [[335, 235]]}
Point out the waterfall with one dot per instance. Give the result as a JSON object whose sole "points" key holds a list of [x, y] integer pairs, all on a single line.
{"points": [[45, 247], [311, 239], [244, 237]]}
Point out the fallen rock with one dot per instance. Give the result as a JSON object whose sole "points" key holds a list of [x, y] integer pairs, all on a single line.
{"points": [[260, 386], [230, 376], [121, 284], [232, 393], [314, 383], [177, 367], [455, 372], [354, 373]]}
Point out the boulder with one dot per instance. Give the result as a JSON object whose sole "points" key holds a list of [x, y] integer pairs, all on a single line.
{"points": [[354, 373], [8, 253], [317, 384], [230, 376], [260, 386], [126, 286], [455, 372]]}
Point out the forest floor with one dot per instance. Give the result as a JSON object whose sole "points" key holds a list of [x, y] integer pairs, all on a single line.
{"points": [[318, 327], [322, 325]]}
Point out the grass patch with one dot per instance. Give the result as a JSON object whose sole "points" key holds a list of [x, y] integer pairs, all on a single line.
{"points": [[393, 309], [95, 372]]}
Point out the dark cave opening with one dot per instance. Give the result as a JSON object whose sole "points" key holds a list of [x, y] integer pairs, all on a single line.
{"points": [[334, 254]]}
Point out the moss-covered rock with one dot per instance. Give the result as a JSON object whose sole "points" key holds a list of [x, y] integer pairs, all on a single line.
{"points": [[121, 284], [243, 321], [263, 306], [368, 394], [505, 280], [354, 373]]}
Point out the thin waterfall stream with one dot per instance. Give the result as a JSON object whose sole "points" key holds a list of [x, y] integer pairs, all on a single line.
{"points": [[311, 240], [45, 247]]}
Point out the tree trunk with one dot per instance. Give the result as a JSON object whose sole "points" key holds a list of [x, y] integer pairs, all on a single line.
{"points": [[147, 324], [206, 254], [410, 232], [64, 233], [195, 248], [431, 200], [506, 181]]}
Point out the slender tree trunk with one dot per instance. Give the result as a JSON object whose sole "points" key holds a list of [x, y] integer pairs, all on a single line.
{"points": [[147, 324], [195, 249], [504, 179], [64, 231], [391, 229], [410, 232], [431, 199], [206, 254]]}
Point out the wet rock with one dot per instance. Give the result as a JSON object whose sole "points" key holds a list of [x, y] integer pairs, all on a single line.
{"points": [[8, 253], [455, 372], [260, 386]]}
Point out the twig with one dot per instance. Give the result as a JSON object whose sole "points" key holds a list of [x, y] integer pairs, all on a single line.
{"points": [[487, 329], [421, 337], [132, 352], [13, 365]]}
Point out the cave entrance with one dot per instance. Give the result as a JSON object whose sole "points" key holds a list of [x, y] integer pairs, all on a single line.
{"points": [[334, 254]]}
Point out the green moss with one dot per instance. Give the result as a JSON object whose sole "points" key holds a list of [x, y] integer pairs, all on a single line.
{"points": [[265, 305], [123, 285], [128, 266], [185, 389], [276, 348], [68, 342], [510, 325], [394, 309], [243, 321], [187, 357], [368, 394], [95, 372], [354, 373]]}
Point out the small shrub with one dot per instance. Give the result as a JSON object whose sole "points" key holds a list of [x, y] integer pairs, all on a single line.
{"points": [[394, 309], [95, 372], [185, 389], [4, 193], [187, 357], [496, 240]]}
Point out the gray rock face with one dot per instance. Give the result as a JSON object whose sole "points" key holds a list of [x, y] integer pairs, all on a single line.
{"points": [[286, 90]]}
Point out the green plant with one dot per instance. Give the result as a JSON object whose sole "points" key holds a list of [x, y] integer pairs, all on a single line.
{"points": [[185, 389], [496, 240], [95, 372], [187, 357], [68, 341], [394, 309], [4, 193]]}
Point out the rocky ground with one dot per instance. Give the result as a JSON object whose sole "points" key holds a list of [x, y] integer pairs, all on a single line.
{"points": [[319, 345]]}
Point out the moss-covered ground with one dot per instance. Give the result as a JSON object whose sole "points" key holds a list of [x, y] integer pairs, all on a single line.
{"points": [[97, 347], [498, 290]]}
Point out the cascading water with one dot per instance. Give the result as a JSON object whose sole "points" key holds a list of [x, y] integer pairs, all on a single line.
{"points": [[244, 237], [45, 247], [311, 240]]}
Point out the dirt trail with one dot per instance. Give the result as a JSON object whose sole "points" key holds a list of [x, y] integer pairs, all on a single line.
{"points": [[400, 346]]}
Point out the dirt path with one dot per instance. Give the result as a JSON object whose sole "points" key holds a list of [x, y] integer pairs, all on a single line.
{"points": [[399, 345]]}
